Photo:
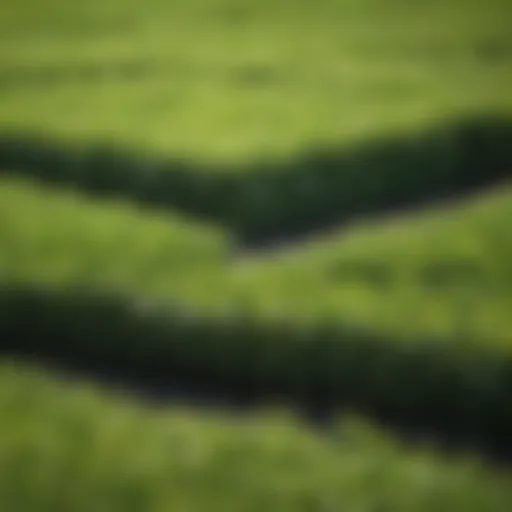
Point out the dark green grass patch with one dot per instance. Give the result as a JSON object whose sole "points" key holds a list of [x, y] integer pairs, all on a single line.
{"points": [[460, 389], [280, 200]]}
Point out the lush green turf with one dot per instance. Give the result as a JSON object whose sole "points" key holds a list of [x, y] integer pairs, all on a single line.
{"points": [[444, 272], [447, 270], [231, 81], [234, 80], [61, 238], [79, 449], [426, 303]]}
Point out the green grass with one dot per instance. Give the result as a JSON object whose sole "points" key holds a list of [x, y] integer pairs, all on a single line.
{"points": [[230, 80], [225, 82], [447, 270], [420, 306], [67, 446], [61, 238]]}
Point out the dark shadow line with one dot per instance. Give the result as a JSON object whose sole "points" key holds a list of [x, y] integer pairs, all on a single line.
{"points": [[267, 203], [325, 422], [53, 75], [431, 389]]}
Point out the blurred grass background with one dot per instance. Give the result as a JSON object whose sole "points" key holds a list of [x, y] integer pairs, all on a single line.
{"points": [[228, 84]]}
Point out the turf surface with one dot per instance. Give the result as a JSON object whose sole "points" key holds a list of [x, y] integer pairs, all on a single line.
{"points": [[67, 446]]}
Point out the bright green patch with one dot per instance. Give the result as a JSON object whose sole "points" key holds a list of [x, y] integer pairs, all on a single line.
{"points": [[230, 80], [61, 238]]}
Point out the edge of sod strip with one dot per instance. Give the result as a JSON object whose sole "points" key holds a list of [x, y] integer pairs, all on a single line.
{"points": [[459, 389], [269, 200]]}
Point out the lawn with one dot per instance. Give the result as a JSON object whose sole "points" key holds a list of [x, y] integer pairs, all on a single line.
{"points": [[232, 81], [163, 136], [68, 446], [423, 300], [446, 270], [63, 238]]}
